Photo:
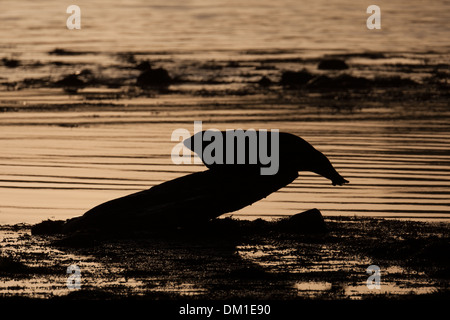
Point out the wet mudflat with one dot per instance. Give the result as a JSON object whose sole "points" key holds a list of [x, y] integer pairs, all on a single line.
{"points": [[228, 259]]}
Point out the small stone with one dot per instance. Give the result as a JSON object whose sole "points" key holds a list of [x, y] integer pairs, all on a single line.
{"points": [[144, 66], [47, 227], [310, 221], [295, 78], [332, 64], [10, 63], [154, 77], [264, 82]]}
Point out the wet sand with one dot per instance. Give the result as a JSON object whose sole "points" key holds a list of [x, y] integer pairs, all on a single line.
{"points": [[231, 259]]}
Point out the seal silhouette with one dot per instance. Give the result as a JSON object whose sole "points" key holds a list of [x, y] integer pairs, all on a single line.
{"points": [[294, 154], [202, 196]]}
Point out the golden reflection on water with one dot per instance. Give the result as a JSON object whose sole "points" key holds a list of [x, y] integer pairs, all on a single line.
{"points": [[399, 169], [152, 25]]}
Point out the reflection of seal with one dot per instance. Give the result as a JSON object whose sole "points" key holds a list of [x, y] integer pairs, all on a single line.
{"points": [[202, 196]]}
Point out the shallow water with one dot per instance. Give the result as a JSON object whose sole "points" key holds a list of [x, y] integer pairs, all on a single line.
{"points": [[396, 168], [62, 154]]}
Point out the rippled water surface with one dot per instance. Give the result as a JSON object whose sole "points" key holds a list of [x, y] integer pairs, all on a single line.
{"points": [[395, 168], [142, 25], [59, 161]]}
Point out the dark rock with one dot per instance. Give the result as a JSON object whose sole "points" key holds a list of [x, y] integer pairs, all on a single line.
{"points": [[366, 55], [71, 81], [343, 81], [60, 52], [373, 55], [332, 64], [144, 66], [85, 73], [154, 77], [264, 82], [36, 82], [10, 63], [295, 78], [77, 80], [47, 227], [310, 221], [321, 82], [348, 81]]}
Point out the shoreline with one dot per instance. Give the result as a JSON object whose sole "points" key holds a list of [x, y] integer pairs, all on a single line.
{"points": [[234, 260]]}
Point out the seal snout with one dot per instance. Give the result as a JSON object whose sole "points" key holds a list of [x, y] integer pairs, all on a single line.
{"points": [[339, 181]]}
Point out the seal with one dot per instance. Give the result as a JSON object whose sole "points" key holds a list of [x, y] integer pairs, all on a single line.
{"points": [[201, 196]]}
